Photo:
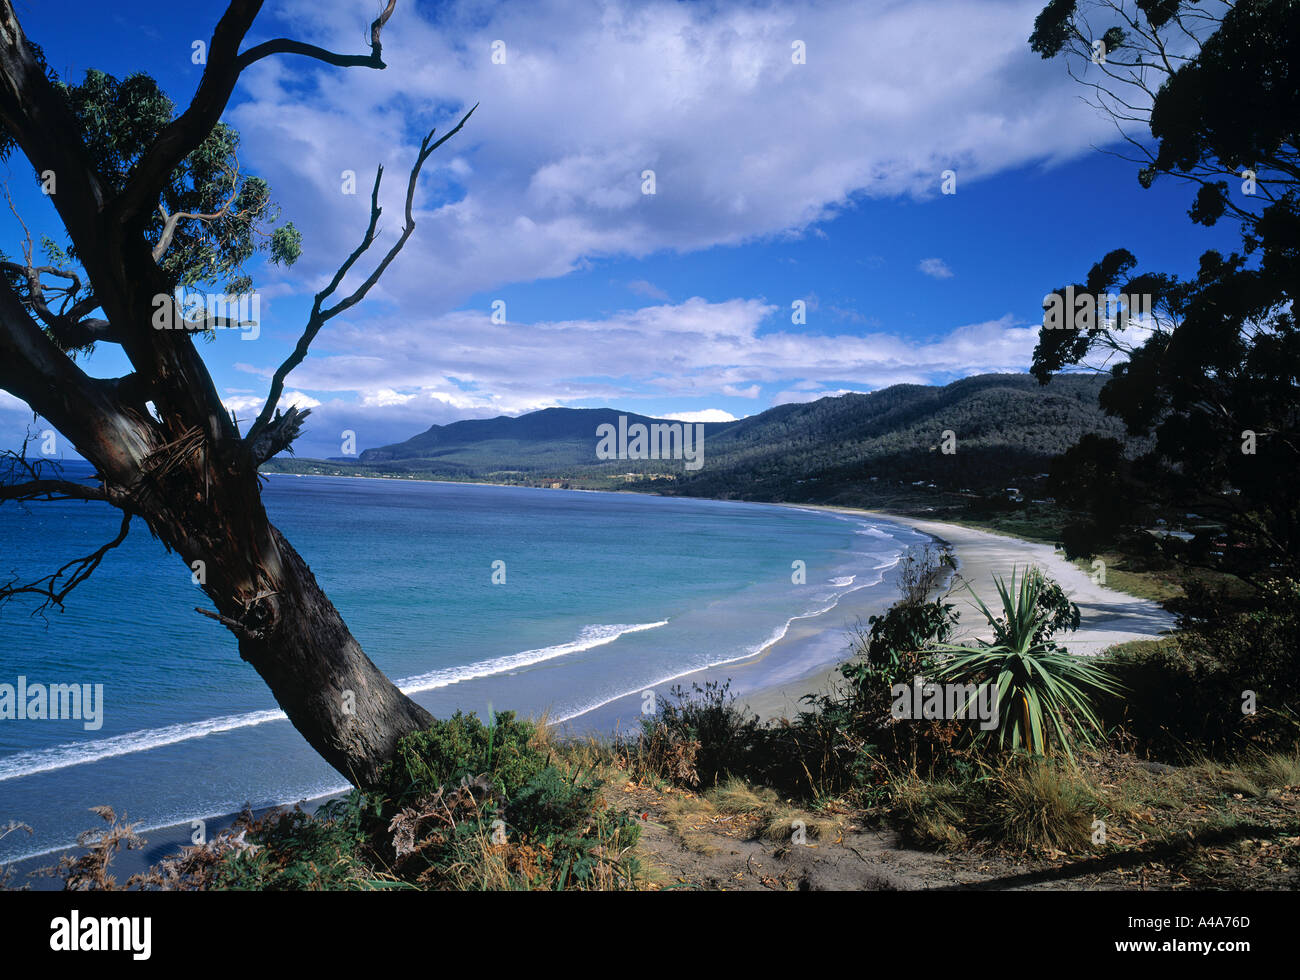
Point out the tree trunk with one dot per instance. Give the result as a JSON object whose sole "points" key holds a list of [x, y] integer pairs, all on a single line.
{"points": [[335, 696], [164, 446], [265, 593]]}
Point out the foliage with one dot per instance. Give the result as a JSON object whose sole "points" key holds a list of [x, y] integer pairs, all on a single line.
{"points": [[1211, 377], [463, 747], [1188, 692], [1020, 803], [90, 871], [699, 737], [912, 624], [120, 119], [1042, 690], [522, 820]]}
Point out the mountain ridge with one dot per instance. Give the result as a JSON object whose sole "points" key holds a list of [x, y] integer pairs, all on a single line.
{"points": [[1002, 426]]}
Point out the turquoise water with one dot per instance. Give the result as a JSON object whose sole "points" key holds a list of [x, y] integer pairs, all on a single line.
{"points": [[605, 596]]}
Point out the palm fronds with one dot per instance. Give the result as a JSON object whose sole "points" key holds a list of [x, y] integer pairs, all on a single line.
{"points": [[1043, 691]]}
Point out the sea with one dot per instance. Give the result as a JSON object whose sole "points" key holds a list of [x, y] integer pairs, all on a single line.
{"points": [[557, 603]]}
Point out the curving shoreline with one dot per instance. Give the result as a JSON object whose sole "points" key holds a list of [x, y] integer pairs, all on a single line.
{"points": [[1107, 617]]}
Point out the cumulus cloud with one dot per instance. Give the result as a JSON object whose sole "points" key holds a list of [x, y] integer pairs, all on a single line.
{"points": [[646, 289], [395, 382], [745, 145], [800, 397], [704, 415], [548, 173]]}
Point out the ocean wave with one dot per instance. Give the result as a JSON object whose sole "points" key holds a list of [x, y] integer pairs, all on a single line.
{"points": [[776, 636], [76, 754], [843, 581], [588, 638], [874, 532]]}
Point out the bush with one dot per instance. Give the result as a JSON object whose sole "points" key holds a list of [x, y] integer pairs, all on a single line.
{"points": [[1188, 690], [698, 738], [462, 747], [463, 805], [1044, 693], [1022, 804]]}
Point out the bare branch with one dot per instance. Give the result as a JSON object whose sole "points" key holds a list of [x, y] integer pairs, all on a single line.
{"points": [[320, 315], [222, 71], [51, 490], [54, 588], [278, 434], [287, 46]]}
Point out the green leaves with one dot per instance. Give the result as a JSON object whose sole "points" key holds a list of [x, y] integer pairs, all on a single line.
{"points": [[120, 120], [1043, 691], [1052, 28]]}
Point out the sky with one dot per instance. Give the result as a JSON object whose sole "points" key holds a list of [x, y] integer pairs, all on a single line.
{"points": [[798, 242]]}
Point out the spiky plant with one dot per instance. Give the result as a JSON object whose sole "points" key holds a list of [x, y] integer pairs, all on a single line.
{"points": [[1042, 689]]}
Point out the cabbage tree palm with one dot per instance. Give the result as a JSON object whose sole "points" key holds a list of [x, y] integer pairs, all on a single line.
{"points": [[1043, 691]]}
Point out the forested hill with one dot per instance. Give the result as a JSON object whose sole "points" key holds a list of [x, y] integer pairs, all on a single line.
{"points": [[1007, 429], [546, 441]]}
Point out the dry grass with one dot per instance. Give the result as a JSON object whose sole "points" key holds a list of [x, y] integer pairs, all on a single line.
{"points": [[1023, 805], [1256, 775], [776, 820]]}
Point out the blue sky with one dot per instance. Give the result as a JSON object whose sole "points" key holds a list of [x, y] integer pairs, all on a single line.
{"points": [[775, 182]]}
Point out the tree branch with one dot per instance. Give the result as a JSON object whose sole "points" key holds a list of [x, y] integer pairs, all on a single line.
{"points": [[320, 315], [51, 490], [74, 572], [222, 71], [286, 46], [278, 434], [82, 408]]}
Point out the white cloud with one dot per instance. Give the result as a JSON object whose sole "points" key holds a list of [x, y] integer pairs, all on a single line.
{"points": [[647, 289], [401, 379], [704, 415], [743, 143], [801, 397], [251, 404], [546, 177], [935, 268]]}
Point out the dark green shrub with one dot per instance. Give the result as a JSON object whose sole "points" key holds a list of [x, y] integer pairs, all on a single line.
{"points": [[463, 805], [699, 737], [1188, 691], [462, 747]]}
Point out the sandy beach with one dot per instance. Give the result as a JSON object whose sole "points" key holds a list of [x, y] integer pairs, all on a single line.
{"points": [[1107, 617]]}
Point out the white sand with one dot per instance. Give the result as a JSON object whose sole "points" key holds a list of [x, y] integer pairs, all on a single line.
{"points": [[1107, 617]]}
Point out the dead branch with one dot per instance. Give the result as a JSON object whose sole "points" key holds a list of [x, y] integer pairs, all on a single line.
{"points": [[54, 588], [224, 66], [320, 315]]}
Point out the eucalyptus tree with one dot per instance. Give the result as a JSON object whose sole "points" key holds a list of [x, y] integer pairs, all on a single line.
{"points": [[154, 203], [1206, 93]]}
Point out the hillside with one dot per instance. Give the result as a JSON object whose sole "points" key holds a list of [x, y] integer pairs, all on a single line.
{"points": [[1007, 430], [873, 446], [549, 441]]}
